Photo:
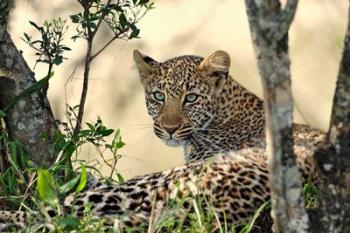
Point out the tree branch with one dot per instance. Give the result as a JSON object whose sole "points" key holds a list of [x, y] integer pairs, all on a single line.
{"points": [[103, 48], [84, 89], [269, 27], [334, 157], [88, 60], [287, 16], [340, 120]]}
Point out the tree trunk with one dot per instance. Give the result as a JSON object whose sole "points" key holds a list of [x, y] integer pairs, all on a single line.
{"points": [[269, 25], [30, 120], [334, 157], [4, 13]]}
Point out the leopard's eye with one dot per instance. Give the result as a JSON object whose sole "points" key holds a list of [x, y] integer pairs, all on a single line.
{"points": [[159, 96], [191, 98]]}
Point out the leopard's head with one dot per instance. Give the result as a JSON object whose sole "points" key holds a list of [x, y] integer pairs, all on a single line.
{"points": [[182, 93]]}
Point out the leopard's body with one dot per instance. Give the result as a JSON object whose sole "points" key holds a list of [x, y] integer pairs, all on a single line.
{"points": [[235, 185], [194, 103]]}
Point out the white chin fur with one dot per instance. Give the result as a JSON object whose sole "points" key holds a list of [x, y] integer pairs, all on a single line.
{"points": [[172, 143]]}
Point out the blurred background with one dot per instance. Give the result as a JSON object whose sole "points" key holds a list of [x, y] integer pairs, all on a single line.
{"points": [[179, 27]]}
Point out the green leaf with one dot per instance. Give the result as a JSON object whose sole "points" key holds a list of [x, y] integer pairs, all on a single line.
{"points": [[119, 144], [58, 60], [69, 223], [83, 179], [99, 120], [2, 114], [13, 152], [75, 18], [66, 48], [143, 2], [28, 38], [84, 133], [135, 32], [40, 29], [36, 42], [122, 21], [90, 25], [90, 126], [116, 7], [117, 134], [69, 185], [46, 188], [106, 132], [120, 178], [33, 88], [74, 38]]}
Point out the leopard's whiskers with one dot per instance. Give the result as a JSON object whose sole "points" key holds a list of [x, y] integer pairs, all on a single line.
{"points": [[201, 136]]}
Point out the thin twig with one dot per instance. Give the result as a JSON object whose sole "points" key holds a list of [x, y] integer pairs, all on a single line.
{"points": [[90, 39], [101, 19], [103, 48], [84, 90]]}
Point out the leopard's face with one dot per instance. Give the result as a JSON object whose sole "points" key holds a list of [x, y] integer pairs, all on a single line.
{"points": [[180, 103], [181, 94]]}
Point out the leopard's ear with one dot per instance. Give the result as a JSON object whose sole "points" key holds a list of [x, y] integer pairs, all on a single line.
{"points": [[219, 61], [216, 68], [145, 65]]}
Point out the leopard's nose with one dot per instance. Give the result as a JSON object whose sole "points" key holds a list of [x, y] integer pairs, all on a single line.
{"points": [[170, 128]]}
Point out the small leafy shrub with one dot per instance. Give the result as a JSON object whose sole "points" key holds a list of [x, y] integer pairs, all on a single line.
{"points": [[18, 177], [311, 195]]}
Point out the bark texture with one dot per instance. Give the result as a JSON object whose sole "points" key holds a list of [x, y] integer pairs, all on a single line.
{"points": [[334, 157], [30, 120], [269, 25], [5, 6]]}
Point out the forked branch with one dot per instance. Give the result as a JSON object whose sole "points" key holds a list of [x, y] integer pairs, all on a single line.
{"points": [[269, 25]]}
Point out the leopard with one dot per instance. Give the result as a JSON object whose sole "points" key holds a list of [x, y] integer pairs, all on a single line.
{"points": [[194, 103]]}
